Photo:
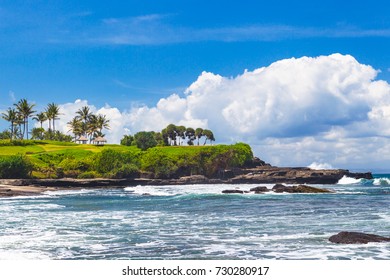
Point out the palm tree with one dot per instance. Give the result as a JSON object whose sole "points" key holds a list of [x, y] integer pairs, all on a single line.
{"points": [[84, 114], [92, 126], [41, 118], [102, 122], [11, 116], [25, 110], [52, 113], [75, 125]]}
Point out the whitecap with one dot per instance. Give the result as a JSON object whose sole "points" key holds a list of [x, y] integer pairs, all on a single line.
{"points": [[68, 192], [381, 181], [348, 181]]}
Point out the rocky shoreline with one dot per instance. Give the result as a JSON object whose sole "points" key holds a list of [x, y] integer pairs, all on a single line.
{"points": [[254, 175]]}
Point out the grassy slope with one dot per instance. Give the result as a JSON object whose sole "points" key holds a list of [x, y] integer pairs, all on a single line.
{"points": [[36, 150], [47, 155]]}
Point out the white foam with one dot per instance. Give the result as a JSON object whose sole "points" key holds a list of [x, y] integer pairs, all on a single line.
{"points": [[320, 166], [348, 181], [188, 189], [68, 192], [381, 181]]}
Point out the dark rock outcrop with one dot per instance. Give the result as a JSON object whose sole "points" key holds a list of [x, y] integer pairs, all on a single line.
{"points": [[233, 191], [259, 189], [280, 188], [349, 237], [293, 175]]}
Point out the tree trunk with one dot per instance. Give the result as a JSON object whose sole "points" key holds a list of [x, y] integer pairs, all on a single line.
{"points": [[27, 128]]}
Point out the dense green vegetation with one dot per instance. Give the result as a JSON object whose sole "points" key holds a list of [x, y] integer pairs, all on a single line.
{"points": [[16, 166], [51, 159]]}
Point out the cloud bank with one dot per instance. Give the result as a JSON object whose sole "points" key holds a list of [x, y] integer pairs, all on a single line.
{"points": [[293, 112]]}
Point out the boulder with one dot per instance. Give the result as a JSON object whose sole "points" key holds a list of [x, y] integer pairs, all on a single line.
{"points": [[349, 237], [259, 189], [233, 191], [309, 189], [279, 188]]}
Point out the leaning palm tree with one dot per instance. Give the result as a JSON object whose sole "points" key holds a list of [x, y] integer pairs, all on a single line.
{"points": [[52, 113], [11, 116], [25, 110], [41, 118]]}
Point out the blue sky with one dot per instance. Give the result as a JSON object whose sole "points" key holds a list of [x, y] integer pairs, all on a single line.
{"points": [[134, 54]]}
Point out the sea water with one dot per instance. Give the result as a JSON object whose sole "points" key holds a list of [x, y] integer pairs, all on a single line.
{"points": [[195, 222]]}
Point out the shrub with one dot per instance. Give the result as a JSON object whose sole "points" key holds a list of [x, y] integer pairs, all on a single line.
{"points": [[76, 164], [110, 160], [125, 171], [15, 167], [159, 163]]}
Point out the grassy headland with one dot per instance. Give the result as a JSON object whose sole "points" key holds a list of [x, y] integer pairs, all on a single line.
{"points": [[52, 159]]}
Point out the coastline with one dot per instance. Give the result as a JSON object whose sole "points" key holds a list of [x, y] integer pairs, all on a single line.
{"points": [[256, 175]]}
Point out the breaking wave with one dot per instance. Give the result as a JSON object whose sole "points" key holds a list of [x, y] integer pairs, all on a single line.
{"points": [[382, 181]]}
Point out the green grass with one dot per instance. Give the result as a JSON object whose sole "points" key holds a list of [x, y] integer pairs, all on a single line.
{"points": [[24, 150]]}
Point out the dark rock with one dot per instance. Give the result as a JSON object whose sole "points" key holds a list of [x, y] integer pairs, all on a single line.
{"points": [[194, 179], [233, 191], [279, 188], [348, 237], [259, 189], [308, 189], [256, 162]]}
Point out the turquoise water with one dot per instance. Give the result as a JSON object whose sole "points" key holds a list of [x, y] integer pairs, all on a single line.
{"points": [[195, 222]]}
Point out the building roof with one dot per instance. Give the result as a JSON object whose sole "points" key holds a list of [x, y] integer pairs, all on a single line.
{"points": [[82, 138], [100, 139]]}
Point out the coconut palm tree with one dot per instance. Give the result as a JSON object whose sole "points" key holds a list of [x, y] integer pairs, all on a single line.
{"points": [[52, 113], [41, 118], [84, 114], [75, 125], [25, 110], [102, 122], [92, 126], [11, 116]]}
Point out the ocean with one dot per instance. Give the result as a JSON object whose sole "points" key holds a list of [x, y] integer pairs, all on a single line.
{"points": [[195, 222]]}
